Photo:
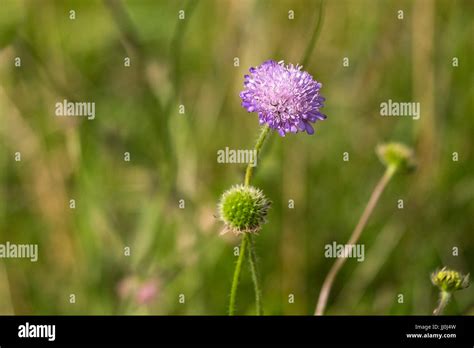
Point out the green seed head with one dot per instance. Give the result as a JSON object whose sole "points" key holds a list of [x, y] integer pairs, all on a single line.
{"points": [[448, 280], [397, 155], [243, 209]]}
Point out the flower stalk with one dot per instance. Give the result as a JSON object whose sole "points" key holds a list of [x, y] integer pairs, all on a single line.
{"points": [[254, 271], [235, 279], [336, 267], [397, 158], [247, 239], [448, 281], [444, 298], [258, 147]]}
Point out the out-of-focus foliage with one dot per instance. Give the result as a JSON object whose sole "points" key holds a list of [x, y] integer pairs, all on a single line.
{"points": [[190, 62]]}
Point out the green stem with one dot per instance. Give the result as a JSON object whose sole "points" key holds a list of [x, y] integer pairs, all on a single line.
{"points": [[443, 301], [254, 271], [258, 147], [247, 238], [252, 254], [235, 280]]}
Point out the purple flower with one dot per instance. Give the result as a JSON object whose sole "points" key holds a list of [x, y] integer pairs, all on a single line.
{"points": [[285, 98]]}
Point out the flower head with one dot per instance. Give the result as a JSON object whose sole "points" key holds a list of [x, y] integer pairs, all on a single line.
{"points": [[285, 98], [397, 155], [448, 280], [243, 209]]}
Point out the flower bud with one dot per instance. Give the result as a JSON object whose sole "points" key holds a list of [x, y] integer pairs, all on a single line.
{"points": [[448, 280], [243, 209], [397, 155]]}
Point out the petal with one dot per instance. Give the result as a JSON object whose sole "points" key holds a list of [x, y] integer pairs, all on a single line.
{"points": [[309, 129], [301, 125], [321, 116]]}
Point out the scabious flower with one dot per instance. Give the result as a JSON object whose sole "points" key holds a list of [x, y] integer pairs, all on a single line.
{"points": [[397, 155], [449, 280], [243, 209], [285, 98]]}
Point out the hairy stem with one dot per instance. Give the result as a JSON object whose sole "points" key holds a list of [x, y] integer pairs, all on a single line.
{"points": [[235, 280], [374, 197], [252, 255], [444, 298], [258, 147], [254, 271], [247, 238]]}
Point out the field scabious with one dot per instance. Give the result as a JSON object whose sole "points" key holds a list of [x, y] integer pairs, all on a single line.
{"points": [[287, 100]]}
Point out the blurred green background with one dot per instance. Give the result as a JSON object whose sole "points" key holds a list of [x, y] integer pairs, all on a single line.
{"points": [[190, 62]]}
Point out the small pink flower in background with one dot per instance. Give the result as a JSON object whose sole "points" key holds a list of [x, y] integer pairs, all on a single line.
{"points": [[140, 291], [147, 291]]}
